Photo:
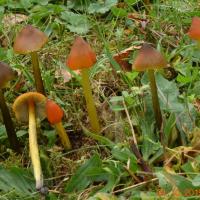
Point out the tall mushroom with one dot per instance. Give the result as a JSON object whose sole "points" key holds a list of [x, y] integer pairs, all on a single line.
{"points": [[82, 57], [7, 74], [29, 41], [149, 59], [27, 108], [194, 31], [54, 115]]}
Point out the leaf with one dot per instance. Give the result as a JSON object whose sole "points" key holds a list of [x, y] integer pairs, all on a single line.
{"points": [[196, 181], [76, 22], [79, 180], [131, 2], [18, 179], [101, 7], [119, 12], [126, 156], [67, 76], [122, 58], [13, 19], [103, 196]]}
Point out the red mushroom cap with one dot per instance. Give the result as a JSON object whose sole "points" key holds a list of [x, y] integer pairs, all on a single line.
{"points": [[194, 31], [81, 55], [148, 58], [54, 112]]}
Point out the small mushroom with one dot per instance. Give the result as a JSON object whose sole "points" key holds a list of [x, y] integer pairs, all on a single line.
{"points": [[194, 31], [82, 57], [29, 41], [7, 74], [149, 59], [54, 115], [27, 108]]}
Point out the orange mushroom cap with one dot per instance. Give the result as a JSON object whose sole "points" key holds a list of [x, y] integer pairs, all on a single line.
{"points": [[194, 31], [148, 58], [21, 109], [81, 55], [29, 39], [6, 74], [54, 112]]}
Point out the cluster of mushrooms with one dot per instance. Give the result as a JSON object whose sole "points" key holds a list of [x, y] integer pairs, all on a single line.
{"points": [[35, 105]]}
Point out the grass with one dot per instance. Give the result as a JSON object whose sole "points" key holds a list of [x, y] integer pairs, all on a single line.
{"points": [[104, 167]]}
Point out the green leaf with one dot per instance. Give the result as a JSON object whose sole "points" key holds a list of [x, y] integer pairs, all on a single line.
{"points": [[119, 12], [18, 179], [101, 7], [79, 180], [116, 103], [196, 181], [125, 155], [131, 2], [3, 134], [76, 22]]}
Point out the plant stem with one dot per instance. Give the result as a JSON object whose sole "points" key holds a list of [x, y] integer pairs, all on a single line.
{"points": [[144, 165], [63, 136], [90, 101], [12, 137], [37, 73], [34, 152], [155, 101]]}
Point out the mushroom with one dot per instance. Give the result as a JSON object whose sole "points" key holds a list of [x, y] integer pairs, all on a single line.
{"points": [[29, 41], [194, 31], [7, 74], [149, 59], [27, 108], [54, 115], [82, 57]]}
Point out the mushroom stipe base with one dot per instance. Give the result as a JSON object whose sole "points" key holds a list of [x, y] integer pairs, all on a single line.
{"points": [[33, 145]]}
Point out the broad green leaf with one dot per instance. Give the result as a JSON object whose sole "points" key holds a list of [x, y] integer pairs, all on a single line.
{"points": [[196, 181], [119, 12], [101, 7], [126, 156], [79, 180], [18, 180], [76, 22]]}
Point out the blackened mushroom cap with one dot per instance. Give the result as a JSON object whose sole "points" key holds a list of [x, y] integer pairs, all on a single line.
{"points": [[29, 39], [6, 74], [148, 58], [194, 31], [21, 108], [54, 112], [81, 55]]}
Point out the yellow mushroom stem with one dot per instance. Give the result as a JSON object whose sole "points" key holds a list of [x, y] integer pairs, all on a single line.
{"points": [[90, 101], [37, 73], [33, 145], [63, 136]]}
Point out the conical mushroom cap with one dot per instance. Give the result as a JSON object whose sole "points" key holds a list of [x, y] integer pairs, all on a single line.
{"points": [[29, 39], [81, 55], [148, 58], [20, 106], [54, 112], [6, 74], [194, 31]]}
